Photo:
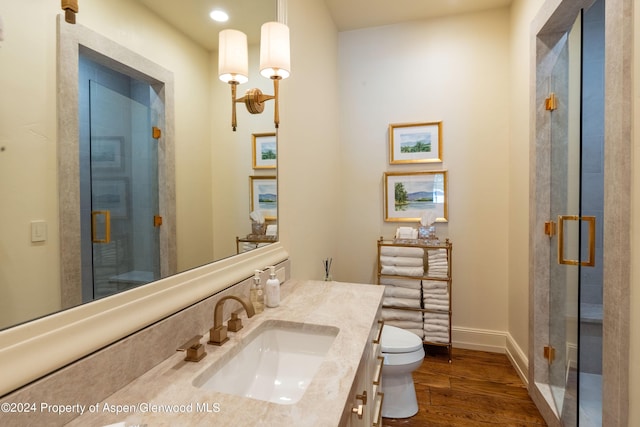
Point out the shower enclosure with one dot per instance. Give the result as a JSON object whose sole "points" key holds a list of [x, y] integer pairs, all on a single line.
{"points": [[571, 83], [119, 193]]}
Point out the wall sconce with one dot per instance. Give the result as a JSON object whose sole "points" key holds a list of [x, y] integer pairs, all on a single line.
{"points": [[275, 64]]}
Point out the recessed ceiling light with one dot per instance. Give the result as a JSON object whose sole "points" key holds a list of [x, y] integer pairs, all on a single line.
{"points": [[219, 15]]}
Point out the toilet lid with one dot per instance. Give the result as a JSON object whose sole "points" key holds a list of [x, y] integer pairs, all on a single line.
{"points": [[396, 340]]}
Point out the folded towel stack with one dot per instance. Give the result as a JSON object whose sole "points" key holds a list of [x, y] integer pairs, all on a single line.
{"points": [[403, 283], [391, 291], [438, 263], [436, 327], [407, 315], [435, 295], [406, 319], [401, 261], [402, 251], [402, 271]]}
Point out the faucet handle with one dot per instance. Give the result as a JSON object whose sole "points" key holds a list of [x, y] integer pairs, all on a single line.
{"points": [[235, 323], [195, 350], [218, 335]]}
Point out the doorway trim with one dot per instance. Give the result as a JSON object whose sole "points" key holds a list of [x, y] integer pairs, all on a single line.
{"points": [[71, 40], [555, 18]]}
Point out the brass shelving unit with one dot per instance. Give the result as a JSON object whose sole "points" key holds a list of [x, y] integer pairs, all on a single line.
{"points": [[427, 245]]}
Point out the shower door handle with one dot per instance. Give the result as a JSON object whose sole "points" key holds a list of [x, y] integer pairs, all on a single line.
{"points": [[107, 226], [591, 262]]}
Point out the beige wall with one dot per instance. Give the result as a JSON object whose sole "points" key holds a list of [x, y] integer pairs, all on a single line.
{"points": [[454, 69], [309, 146], [522, 12], [28, 163]]}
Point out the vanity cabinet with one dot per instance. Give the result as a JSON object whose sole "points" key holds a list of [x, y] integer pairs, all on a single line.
{"points": [[364, 405], [417, 279]]}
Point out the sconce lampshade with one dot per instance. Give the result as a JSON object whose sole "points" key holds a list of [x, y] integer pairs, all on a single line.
{"points": [[274, 50], [233, 62]]}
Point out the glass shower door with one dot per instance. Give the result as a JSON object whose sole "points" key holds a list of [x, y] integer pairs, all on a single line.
{"points": [[564, 269], [124, 190]]}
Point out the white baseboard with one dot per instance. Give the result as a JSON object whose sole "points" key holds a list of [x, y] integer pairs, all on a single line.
{"points": [[494, 342]]}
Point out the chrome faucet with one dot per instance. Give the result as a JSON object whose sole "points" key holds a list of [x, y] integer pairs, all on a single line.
{"points": [[218, 334]]}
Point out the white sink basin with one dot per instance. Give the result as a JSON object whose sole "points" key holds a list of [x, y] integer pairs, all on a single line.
{"points": [[275, 363]]}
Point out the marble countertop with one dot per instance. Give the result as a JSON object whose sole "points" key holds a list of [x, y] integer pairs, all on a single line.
{"points": [[165, 396]]}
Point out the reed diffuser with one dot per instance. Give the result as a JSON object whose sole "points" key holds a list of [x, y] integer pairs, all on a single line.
{"points": [[327, 269]]}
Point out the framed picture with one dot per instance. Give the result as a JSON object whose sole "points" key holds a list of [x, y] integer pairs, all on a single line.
{"points": [[408, 196], [264, 150], [415, 143], [111, 194], [264, 196], [107, 153]]}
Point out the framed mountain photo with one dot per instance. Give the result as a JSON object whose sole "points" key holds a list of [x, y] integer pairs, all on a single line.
{"points": [[408, 196], [415, 143]]}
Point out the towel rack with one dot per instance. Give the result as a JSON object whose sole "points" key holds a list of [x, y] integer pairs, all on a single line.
{"points": [[429, 282]]}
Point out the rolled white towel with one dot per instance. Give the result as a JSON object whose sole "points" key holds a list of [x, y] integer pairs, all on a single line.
{"points": [[405, 283], [442, 307], [436, 291], [435, 284], [436, 328], [431, 317], [401, 292], [402, 261], [436, 298], [395, 314], [436, 339], [404, 251], [401, 302], [403, 271], [438, 273], [437, 252]]}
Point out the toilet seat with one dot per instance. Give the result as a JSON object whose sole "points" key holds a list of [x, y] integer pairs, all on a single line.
{"points": [[396, 340]]}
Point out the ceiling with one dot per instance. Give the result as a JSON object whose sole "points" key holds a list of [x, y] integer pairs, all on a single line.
{"points": [[192, 16], [354, 14]]}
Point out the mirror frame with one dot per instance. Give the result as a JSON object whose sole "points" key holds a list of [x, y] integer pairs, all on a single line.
{"points": [[71, 334]]}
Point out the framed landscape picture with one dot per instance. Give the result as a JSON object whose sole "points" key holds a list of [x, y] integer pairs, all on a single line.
{"points": [[408, 196], [415, 143], [264, 196], [264, 149]]}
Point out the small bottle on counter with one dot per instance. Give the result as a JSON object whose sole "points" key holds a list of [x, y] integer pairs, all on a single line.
{"points": [[273, 288], [256, 294]]}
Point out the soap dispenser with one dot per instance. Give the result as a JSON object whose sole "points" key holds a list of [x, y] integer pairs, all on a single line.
{"points": [[256, 294], [273, 288]]}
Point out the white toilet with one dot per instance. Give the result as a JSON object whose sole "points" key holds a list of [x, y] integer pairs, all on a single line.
{"points": [[403, 353]]}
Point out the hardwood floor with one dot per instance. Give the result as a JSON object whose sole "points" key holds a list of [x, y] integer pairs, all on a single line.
{"points": [[476, 389]]}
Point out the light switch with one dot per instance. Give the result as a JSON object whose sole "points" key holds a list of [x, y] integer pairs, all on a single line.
{"points": [[38, 231]]}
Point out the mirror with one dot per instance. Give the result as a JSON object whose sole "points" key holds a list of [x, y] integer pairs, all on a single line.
{"points": [[216, 179]]}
